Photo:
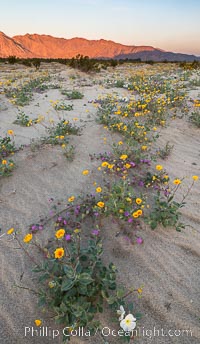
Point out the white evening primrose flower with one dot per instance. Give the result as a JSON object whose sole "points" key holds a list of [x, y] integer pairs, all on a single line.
{"points": [[121, 312], [129, 323]]}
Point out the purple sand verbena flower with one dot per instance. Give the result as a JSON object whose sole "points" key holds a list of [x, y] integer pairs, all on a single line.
{"points": [[132, 164], [141, 183], [95, 232], [67, 237], [139, 240]]}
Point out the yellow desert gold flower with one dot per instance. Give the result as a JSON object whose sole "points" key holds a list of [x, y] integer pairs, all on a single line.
{"points": [[77, 230], [10, 132], [123, 157], [177, 181], [59, 253], [52, 284], [10, 231], [127, 166], [100, 204], [28, 238], [120, 143], [85, 172], [135, 214], [144, 147], [60, 233], [71, 199], [99, 189], [139, 212], [138, 200], [38, 322], [159, 167], [104, 164], [4, 162], [195, 178]]}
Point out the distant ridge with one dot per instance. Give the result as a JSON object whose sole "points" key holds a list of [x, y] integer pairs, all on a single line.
{"points": [[45, 46]]}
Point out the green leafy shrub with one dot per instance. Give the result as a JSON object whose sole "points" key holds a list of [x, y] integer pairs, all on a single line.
{"points": [[7, 146], [58, 106], [84, 63], [24, 120], [6, 167], [195, 118], [72, 94]]}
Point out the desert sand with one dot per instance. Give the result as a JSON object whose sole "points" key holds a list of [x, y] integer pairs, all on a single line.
{"points": [[167, 263]]}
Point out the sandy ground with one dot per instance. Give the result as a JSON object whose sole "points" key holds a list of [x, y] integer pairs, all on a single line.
{"points": [[167, 264]]}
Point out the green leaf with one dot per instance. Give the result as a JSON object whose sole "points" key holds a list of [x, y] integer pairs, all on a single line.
{"points": [[69, 272], [153, 224], [67, 284], [42, 301], [43, 277], [85, 278]]}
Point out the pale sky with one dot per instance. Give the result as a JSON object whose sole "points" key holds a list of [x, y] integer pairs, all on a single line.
{"points": [[172, 25]]}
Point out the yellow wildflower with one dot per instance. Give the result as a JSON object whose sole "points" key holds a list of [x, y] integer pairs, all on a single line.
{"points": [[104, 164], [28, 238], [38, 322], [10, 231], [77, 230], [135, 214], [98, 189], [177, 181], [100, 204], [59, 253], [60, 233], [85, 172], [71, 199], [159, 167], [123, 157]]}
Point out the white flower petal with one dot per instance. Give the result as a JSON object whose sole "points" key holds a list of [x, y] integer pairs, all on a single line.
{"points": [[121, 316], [130, 317], [129, 323]]}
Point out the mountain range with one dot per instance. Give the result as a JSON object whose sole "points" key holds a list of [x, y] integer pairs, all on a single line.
{"points": [[45, 46]]}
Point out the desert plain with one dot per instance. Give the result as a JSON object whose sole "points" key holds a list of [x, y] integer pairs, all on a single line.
{"points": [[166, 263]]}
